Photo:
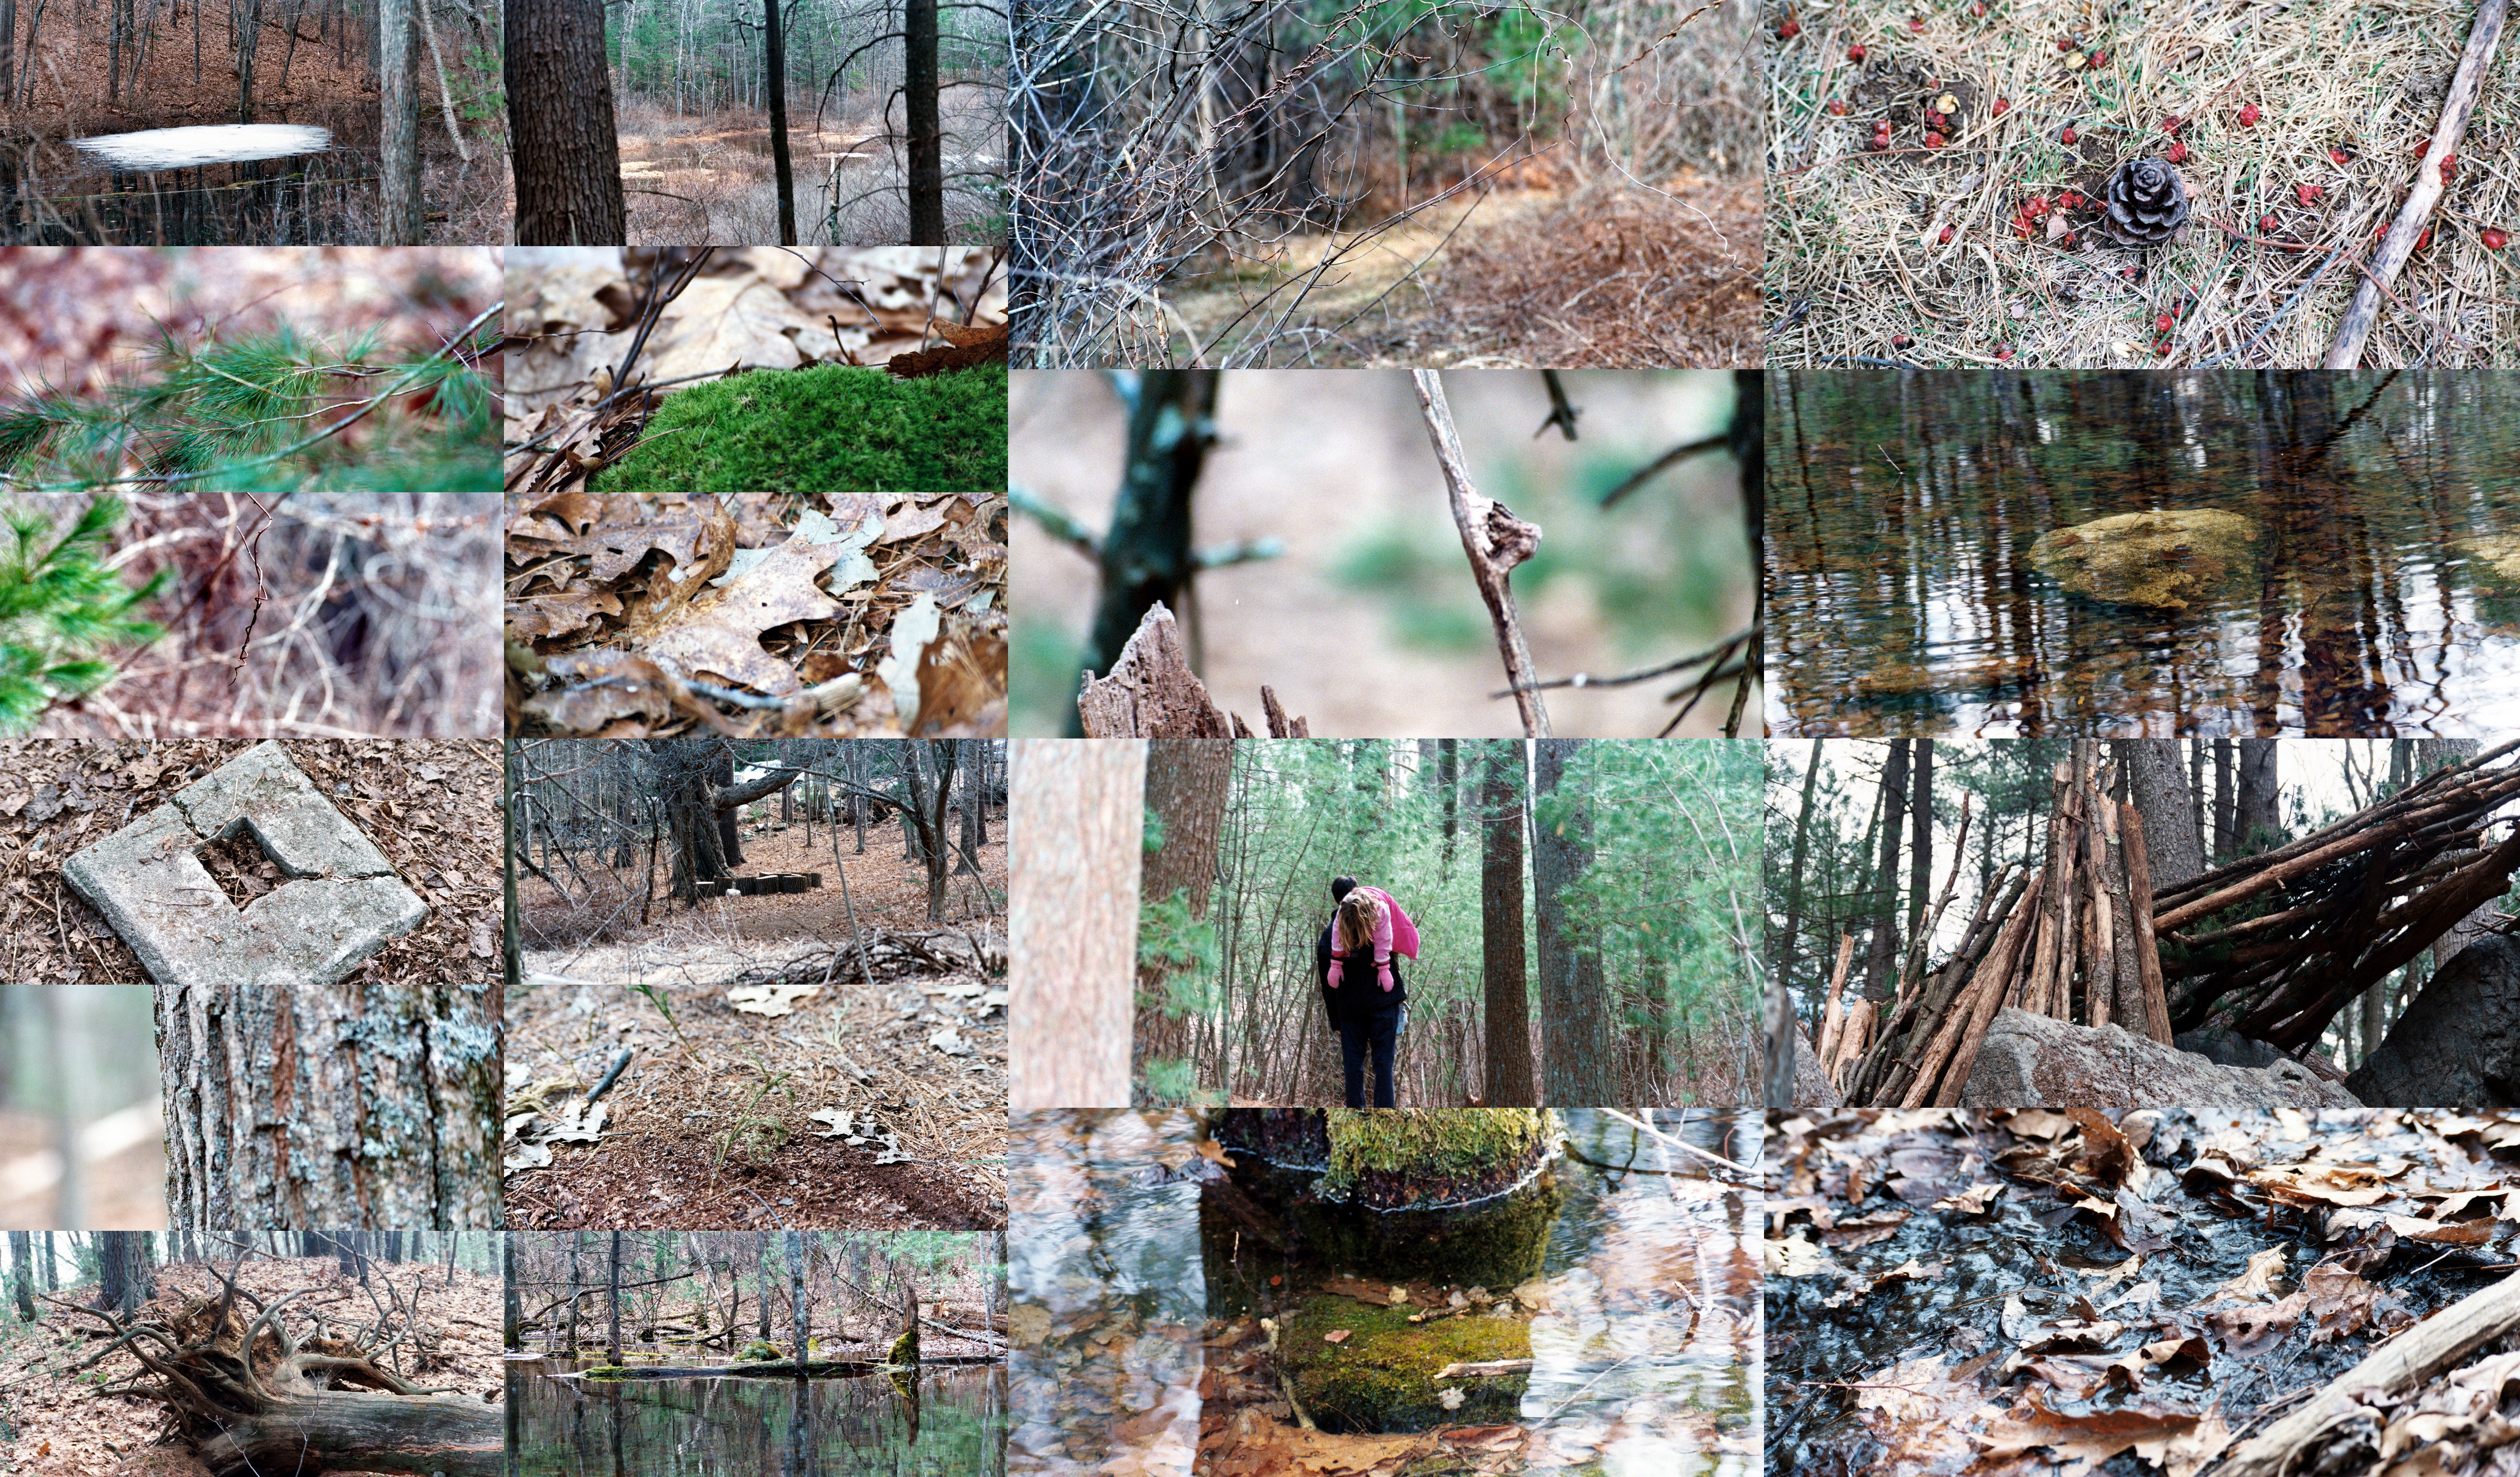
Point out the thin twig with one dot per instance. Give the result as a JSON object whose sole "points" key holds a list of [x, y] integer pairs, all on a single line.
{"points": [[1494, 541]]}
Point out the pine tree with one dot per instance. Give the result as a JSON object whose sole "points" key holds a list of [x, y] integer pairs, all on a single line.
{"points": [[61, 608]]}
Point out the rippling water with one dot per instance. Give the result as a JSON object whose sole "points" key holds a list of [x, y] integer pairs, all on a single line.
{"points": [[1645, 1362], [1902, 509]]}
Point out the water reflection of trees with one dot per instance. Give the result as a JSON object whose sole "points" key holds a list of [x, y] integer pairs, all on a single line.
{"points": [[948, 1421], [1906, 504]]}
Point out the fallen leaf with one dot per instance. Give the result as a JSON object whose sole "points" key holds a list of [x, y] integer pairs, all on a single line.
{"points": [[1209, 1149], [1335, 1336], [949, 1041], [1866, 1230], [719, 635], [839, 1120], [1972, 1201], [532, 1156], [912, 630], [770, 1000], [2257, 1282]]}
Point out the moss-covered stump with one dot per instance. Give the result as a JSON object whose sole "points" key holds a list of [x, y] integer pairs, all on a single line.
{"points": [[1358, 1368], [832, 428], [759, 1351], [2159, 560], [905, 1348], [1456, 1197]]}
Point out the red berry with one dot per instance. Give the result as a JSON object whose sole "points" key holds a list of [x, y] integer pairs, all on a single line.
{"points": [[2173, 124], [2493, 237], [1945, 238], [2249, 116], [2024, 226], [1916, 26], [2337, 156], [1878, 142], [2002, 107], [1855, 53], [2003, 351], [2266, 224], [2424, 147], [2064, 43], [2162, 347], [1838, 108], [2067, 137], [2037, 206], [2100, 59], [1790, 30], [2176, 153], [2308, 195], [1978, 10], [2425, 239], [2450, 166], [1901, 341], [2070, 239], [1933, 139]]}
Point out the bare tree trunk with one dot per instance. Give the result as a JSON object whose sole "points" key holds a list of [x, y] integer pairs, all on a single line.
{"points": [[1186, 784], [775, 82], [2160, 793], [1577, 1061], [1073, 863], [515, 1311], [1506, 977], [2259, 826], [361, 1103], [1881, 962], [399, 145], [560, 124], [1920, 842], [612, 1306], [796, 1297], [926, 139], [2226, 835]]}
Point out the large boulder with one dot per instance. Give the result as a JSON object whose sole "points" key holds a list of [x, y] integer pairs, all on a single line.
{"points": [[2159, 560], [2035, 1061], [2226, 1047], [2458, 1044], [1811, 1090]]}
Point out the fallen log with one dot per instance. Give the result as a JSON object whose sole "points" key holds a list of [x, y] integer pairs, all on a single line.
{"points": [[2417, 1354]]}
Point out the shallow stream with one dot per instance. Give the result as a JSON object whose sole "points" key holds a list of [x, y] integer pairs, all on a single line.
{"points": [[1127, 1300]]}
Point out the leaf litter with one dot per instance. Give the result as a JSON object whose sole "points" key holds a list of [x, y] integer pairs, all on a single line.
{"points": [[2060, 1292]]}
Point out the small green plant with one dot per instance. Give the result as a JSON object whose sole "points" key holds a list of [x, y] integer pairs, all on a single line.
{"points": [[666, 1008], [832, 428], [61, 608], [755, 1135]]}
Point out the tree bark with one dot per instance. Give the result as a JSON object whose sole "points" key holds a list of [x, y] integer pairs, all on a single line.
{"points": [[1506, 978], [366, 1102], [1074, 865], [2225, 833], [123, 1271], [1577, 1062], [612, 1304], [802, 1351], [1145, 557], [560, 124], [775, 82], [927, 138], [1780, 957], [515, 1311], [22, 1272], [1186, 785], [2258, 826], [351, 1431], [2159, 790], [1920, 835], [576, 1285], [399, 145], [1881, 960]]}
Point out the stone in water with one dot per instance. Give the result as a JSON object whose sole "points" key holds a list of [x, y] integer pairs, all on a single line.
{"points": [[343, 902], [209, 144], [2158, 560]]}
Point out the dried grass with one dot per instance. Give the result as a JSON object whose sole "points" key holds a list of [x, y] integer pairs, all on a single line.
{"points": [[1614, 277], [1854, 257]]}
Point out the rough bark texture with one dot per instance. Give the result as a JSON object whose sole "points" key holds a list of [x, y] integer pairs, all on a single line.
{"points": [[1506, 973], [367, 1102], [426, 1436], [1145, 557], [926, 139], [775, 82], [123, 1271], [398, 144], [1072, 919], [1186, 785], [1881, 960], [2255, 824], [1921, 833], [1149, 690], [2160, 793], [1577, 1062], [560, 124]]}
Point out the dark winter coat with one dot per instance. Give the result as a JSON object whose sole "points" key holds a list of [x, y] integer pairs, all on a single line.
{"points": [[1350, 1003]]}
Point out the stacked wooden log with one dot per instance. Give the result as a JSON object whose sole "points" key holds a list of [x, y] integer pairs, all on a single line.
{"points": [[2066, 940], [2275, 944]]}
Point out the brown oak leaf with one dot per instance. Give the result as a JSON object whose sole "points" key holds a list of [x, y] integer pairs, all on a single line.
{"points": [[718, 635]]}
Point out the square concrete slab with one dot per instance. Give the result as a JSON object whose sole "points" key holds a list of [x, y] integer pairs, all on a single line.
{"points": [[342, 903]]}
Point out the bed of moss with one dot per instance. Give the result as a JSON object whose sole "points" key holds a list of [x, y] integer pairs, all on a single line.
{"points": [[1381, 1377], [829, 429], [1467, 1149]]}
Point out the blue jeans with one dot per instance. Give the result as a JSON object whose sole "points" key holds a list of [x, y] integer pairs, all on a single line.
{"points": [[1381, 1033]]}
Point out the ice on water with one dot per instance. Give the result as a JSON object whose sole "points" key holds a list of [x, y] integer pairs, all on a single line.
{"points": [[213, 144]]}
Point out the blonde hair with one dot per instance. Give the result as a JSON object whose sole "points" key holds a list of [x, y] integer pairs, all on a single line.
{"points": [[1357, 916]]}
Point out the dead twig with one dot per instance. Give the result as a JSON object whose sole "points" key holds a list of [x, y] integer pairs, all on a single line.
{"points": [[1494, 541]]}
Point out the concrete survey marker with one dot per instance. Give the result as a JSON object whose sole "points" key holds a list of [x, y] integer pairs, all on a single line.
{"points": [[340, 902]]}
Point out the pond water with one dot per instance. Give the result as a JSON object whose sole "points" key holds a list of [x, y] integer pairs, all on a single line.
{"points": [[744, 1427], [1644, 1360], [2378, 593]]}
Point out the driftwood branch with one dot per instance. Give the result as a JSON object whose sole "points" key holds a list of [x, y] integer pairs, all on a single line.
{"points": [[1494, 541], [2416, 1356], [2363, 311]]}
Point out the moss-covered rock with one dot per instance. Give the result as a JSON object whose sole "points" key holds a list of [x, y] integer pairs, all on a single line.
{"points": [[1381, 1374], [2159, 560], [828, 428], [1445, 1155], [759, 1351], [2497, 553]]}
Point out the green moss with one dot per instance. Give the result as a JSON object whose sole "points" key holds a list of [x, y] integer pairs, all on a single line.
{"points": [[606, 1372], [2159, 560], [905, 1348], [758, 1352], [828, 428], [1463, 1148], [2498, 552], [1381, 1377]]}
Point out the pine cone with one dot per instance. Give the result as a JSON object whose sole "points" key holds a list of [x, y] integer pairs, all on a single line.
{"points": [[2146, 204]]}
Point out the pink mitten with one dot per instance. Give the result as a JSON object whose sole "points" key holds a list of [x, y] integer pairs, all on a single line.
{"points": [[1335, 974], [1385, 969]]}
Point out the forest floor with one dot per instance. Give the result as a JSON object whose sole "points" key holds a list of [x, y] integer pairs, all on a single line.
{"points": [[307, 81], [696, 180], [430, 806], [62, 1427], [1950, 1293], [727, 1116], [1585, 277]]}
